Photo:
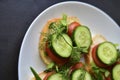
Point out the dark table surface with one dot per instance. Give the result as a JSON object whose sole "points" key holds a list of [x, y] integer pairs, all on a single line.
{"points": [[15, 18]]}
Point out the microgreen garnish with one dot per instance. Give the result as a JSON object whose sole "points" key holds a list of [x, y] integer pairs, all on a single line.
{"points": [[107, 73], [64, 20], [82, 76], [35, 74], [118, 51], [98, 73], [51, 65], [75, 56]]}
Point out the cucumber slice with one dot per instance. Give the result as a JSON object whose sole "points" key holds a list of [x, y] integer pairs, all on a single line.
{"points": [[107, 53], [80, 74], [116, 72], [82, 38], [61, 44], [56, 76]]}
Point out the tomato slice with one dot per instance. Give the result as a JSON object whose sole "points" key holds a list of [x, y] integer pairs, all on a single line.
{"points": [[96, 59], [72, 27], [108, 78], [76, 66], [55, 58], [118, 62], [48, 74]]}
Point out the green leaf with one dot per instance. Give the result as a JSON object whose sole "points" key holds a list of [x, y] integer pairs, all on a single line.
{"points": [[98, 73], [56, 68], [51, 65], [64, 70], [35, 74], [75, 56], [100, 76], [64, 20], [116, 45], [82, 76], [118, 51], [83, 49], [107, 73]]}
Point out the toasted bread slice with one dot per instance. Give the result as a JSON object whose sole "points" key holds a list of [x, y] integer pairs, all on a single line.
{"points": [[42, 53]]}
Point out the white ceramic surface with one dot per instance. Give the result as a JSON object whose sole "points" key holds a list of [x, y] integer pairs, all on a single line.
{"points": [[94, 18]]}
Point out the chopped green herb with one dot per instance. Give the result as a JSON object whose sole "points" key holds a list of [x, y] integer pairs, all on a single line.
{"points": [[64, 20], [118, 50], [98, 73], [75, 56], [51, 65], [82, 76], [107, 73], [35, 74]]}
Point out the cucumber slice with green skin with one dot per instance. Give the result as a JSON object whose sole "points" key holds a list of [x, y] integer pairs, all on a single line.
{"points": [[80, 74], [62, 45], [116, 72], [82, 38], [107, 53], [56, 76]]}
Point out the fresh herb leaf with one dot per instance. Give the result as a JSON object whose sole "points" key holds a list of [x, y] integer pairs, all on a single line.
{"points": [[98, 73], [64, 70], [100, 76], [53, 26], [57, 27], [56, 68], [116, 45], [64, 20], [75, 56], [82, 76], [118, 51], [35, 74], [83, 49], [51, 65], [107, 73]]}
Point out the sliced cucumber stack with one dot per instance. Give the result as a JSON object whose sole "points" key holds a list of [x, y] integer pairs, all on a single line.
{"points": [[107, 53], [62, 45], [56, 76], [82, 38], [80, 74], [116, 72]]}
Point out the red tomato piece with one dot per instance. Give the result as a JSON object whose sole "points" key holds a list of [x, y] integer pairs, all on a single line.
{"points": [[48, 74], [76, 66], [55, 58], [118, 62], [72, 27], [108, 78]]}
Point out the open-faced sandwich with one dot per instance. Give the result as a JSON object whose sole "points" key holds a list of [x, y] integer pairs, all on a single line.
{"points": [[71, 53]]}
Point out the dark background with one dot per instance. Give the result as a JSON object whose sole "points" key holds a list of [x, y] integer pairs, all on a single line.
{"points": [[15, 18]]}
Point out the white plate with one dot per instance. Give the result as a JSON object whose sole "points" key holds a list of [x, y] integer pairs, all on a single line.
{"points": [[94, 18]]}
